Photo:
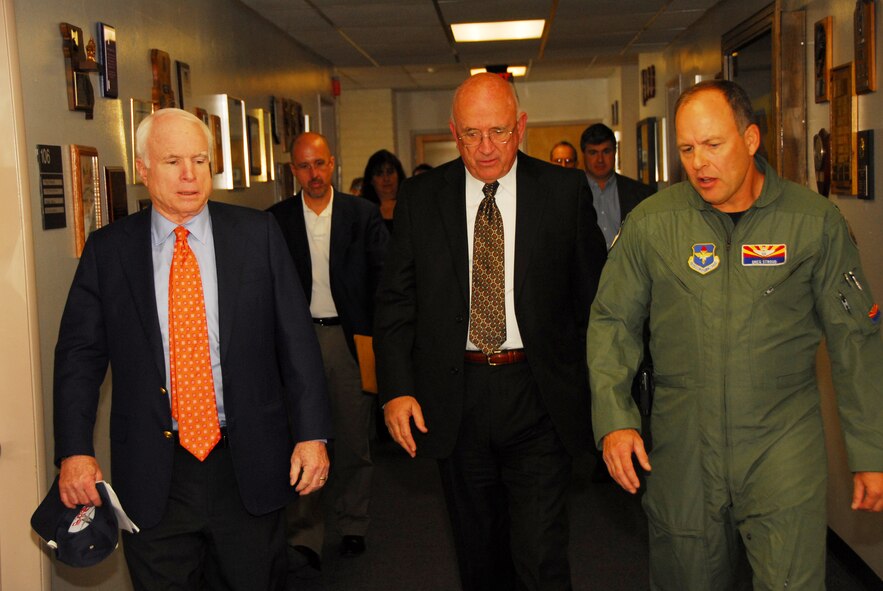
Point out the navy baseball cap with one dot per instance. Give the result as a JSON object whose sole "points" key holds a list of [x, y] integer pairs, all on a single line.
{"points": [[83, 536]]}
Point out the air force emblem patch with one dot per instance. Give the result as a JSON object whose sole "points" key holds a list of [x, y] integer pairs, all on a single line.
{"points": [[764, 254], [704, 260]]}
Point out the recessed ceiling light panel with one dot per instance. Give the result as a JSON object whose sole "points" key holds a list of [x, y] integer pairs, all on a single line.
{"points": [[514, 70], [498, 31]]}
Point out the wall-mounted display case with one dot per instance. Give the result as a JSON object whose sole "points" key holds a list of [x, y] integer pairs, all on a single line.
{"points": [[234, 174]]}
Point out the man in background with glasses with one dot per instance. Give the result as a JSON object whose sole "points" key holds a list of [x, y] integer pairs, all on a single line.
{"points": [[338, 243], [563, 154], [480, 325], [614, 195]]}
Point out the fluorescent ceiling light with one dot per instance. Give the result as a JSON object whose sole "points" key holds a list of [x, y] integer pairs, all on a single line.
{"points": [[498, 31], [514, 70]]}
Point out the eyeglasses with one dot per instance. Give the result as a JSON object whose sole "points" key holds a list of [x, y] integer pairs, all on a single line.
{"points": [[307, 166], [564, 160], [497, 135]]}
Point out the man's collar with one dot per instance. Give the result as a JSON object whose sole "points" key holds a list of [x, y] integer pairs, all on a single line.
{"points": [[607, 181], [326, 211], [506, 181], [161, 227]]}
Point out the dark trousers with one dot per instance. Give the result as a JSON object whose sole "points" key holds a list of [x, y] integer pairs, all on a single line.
{"points": [[206, 539], [505, 486], [348, 490]]}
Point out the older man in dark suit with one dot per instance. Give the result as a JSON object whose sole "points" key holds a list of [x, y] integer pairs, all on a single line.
{"points": [[338, 243], [480, 324], [614, 195], [219, 397]]}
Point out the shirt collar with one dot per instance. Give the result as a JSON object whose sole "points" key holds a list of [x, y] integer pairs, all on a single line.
{"points": [[161, 227], [325, 212], [611, 181], [507, 181]]}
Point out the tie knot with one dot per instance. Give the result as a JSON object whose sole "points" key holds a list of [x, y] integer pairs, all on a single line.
{"points": [[490, 189], [181, 233]]}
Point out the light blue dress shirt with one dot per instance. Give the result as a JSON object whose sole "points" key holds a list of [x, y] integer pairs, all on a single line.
{"points": [[202, 243], [606, 203]]}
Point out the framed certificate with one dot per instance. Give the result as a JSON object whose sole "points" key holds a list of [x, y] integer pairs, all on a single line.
{"points": [[107, 55]]}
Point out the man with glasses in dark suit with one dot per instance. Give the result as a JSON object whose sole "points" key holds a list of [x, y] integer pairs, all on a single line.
{"points": [[480, 328]]}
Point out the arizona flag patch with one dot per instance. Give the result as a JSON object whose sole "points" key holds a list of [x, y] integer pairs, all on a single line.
{"points": [[764, 254]]}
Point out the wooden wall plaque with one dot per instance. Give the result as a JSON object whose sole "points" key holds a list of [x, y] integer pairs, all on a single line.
{"points": [[822, 58], [865, 47], [844, 117], [163, 95]]}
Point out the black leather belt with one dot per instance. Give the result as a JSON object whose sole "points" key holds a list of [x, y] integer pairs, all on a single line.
{"points": [[223, 442], [496, 358], [327, 321]]}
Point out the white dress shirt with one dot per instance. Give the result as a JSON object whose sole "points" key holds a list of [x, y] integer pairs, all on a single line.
{"points": [[319, 238]]}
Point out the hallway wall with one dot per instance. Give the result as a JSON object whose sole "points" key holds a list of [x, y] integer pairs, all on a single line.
{"points": [[863, 532], [229, 49]]}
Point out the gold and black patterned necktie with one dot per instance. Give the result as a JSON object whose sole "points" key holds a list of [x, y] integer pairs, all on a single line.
{"points": [[487, 315]]}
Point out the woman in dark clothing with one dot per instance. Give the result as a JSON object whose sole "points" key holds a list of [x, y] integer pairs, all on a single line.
{"points": [[383, 175]]}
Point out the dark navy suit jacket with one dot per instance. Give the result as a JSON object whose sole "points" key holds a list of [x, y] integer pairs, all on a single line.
{"points": [[274, 383]]}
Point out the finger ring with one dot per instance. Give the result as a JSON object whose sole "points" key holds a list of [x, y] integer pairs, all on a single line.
{"points": [[322, 478]]}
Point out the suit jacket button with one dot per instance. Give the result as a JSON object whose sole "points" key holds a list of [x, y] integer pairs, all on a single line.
{"points": [[168, 434], [454, 371], [163, 391], [459, 318]]}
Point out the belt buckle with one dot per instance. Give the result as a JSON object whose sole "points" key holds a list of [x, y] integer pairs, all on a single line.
{"points": [[491, 363]]}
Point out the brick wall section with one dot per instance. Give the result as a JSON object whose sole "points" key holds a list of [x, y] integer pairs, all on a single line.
{"points": [[366, 125]]}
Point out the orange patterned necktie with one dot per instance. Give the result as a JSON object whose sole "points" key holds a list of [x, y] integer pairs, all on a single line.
{"points": [[487, 313], [193, 391]]}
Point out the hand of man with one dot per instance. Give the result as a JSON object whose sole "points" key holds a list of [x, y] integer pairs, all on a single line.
{"points": [[76, 483], [867, 491], [397, 415], [309, 465], [618, 449]]}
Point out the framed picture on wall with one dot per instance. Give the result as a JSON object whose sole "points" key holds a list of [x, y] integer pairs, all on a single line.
{"points": [[844, 117], [648, 152], [217, 144], [86, 192], [107, 54], [255, 145], [865, 37], [115, 186], [822, 58], [185, 92], [239, 166], [138, 110], [161, 65]]}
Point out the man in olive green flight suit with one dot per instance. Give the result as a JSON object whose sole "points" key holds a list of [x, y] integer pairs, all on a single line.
{"points": [[741, 273]]}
